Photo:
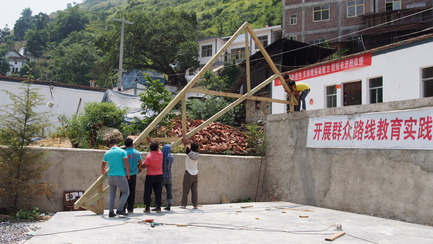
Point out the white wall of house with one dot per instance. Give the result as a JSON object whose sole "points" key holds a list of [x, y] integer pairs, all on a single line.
{"points": [[400, 69], [16, 61], [66, 100], [216, 44], [239, 42]]}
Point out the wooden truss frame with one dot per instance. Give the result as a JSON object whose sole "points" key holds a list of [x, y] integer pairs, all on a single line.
{"points": [[86, 201]]}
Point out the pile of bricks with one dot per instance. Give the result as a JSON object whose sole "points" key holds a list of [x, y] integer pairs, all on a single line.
{"points": [[216, 137]]}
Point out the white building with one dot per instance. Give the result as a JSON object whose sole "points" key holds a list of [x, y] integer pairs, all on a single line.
{"points": [[16, 61], [236, 51], [59, 99], [395, 72]]}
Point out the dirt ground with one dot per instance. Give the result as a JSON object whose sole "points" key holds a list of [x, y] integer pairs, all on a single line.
{"points": [[53, 142]]}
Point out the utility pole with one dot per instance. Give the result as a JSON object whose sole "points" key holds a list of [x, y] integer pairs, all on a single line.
{"points": [[123, 21]]}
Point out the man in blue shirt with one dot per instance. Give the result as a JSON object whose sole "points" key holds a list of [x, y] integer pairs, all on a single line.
{"points": [[118, 173], [134, 160]]}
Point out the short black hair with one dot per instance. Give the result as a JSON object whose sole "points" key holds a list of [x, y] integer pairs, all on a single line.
{"points": [[154, 146], [291, 83], [128, 142], [286, 76], [194, 147], [113, 142]]}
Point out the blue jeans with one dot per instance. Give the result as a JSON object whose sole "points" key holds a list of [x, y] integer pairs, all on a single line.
{"points": [[302, 100], [168, 187], [121, 182]]}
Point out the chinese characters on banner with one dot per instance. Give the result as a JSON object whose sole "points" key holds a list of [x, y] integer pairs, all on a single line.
{"points": [[408, 129], [354, 62]]}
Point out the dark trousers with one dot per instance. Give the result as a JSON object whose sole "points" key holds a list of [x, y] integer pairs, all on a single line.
{"points": [[190, 182], [153, 182], [131, 198]]}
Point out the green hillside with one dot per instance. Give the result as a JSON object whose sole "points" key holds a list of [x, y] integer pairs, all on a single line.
{"points": [[215, 17]]}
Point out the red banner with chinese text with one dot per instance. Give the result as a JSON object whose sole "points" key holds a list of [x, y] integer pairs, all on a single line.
{"points": [[349, 63]]}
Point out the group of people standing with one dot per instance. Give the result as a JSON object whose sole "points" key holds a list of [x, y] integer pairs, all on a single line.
{"points": [[124, 165]]}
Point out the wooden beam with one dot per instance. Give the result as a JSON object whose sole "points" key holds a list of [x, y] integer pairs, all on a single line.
{"points": [[165, 139], [100, 202], [184, 114], [234, 95], [268, 58], [247, 61], [88, 193], [226, 109], [97, 197], [335, 236], [274, 68], [194, 80]]}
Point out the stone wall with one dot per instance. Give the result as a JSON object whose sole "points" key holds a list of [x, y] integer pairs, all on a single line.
{"points": [[396, 184], [77, 169]]}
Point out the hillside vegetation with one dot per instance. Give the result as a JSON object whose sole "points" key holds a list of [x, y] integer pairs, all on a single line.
{"points": [[81, 43], [215, 17]]}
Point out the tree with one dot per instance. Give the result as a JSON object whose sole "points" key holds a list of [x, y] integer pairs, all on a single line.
{"points": [[21, 167], [154, 100], [163, 42], [4, 64], [69, 21], [38, 36], [22, 24], [74, 63], [5, 34]]}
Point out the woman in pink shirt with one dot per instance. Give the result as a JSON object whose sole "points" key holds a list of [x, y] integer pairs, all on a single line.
{"points": [[154, 179]]}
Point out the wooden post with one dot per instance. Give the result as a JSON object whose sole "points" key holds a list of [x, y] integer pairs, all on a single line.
{"points": [[184, 114], [247, 61]]}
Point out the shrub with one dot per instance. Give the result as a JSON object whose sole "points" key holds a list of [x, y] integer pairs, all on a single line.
{"points": [[84, 128]]}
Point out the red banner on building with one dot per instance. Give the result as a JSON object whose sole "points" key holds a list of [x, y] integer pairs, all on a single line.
{"points": [[349, 63]]}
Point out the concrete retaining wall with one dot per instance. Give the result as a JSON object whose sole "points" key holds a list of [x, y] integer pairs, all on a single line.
{"points": [[77, 169], [396, 184]]}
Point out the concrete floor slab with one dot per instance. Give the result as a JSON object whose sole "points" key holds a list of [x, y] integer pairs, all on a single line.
{"points": [[257, 222]]}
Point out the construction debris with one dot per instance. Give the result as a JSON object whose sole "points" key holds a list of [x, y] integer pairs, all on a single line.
{"points": [[216, 137]]}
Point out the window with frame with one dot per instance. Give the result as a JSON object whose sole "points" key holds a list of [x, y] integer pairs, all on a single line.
{"points": [[206, 51], [293, 19], [293, 37], [376, 90], [321, 13], [352, 93], [316, 42], [355, 8], [238, 53], [427, 80], [263, 40], [331, 96], [392, 4]]}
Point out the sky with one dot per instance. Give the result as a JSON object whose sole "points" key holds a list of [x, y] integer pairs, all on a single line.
{"points": [[10, 10]]}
